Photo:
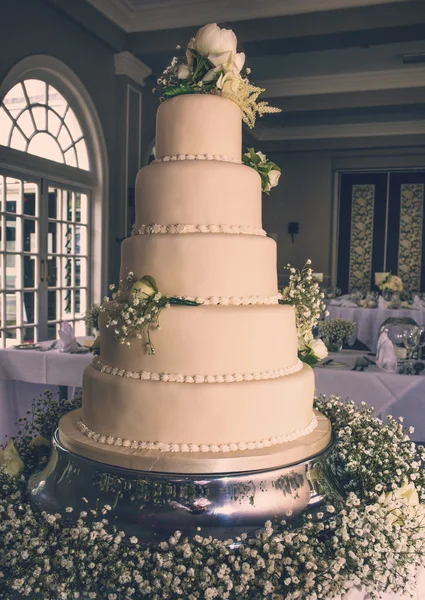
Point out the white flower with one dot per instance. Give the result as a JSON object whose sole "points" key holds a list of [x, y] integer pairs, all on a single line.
{"points": [[402, 502], [215, 43], [274, 175], [319, 349], [228, 83], [10, 460], [143, 288], [133, 540], [184, 71]]}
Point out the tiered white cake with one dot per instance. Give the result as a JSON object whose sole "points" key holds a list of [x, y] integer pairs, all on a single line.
{"points": [[225, 389]]}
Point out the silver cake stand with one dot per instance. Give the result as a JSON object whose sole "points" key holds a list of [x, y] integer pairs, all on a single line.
{"points": [[153, 505]]}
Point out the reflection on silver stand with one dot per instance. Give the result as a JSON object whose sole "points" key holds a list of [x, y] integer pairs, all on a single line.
{"points": [[152, 506]]}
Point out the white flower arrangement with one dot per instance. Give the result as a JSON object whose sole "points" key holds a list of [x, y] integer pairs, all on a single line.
{"points": [[135, 308], [370, 532], [267, 170], [304, 294], [213, 66], [91, 318], [392, 283], [336, 331]]}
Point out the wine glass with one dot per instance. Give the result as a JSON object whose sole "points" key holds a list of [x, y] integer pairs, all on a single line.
{"points": [[410, 340], [421, 340]]}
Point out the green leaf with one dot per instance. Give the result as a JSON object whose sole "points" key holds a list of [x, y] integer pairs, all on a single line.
{"points": [[180, 90], [183, 302]]}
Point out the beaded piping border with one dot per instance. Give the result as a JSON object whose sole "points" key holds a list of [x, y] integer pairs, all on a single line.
{"points": [[179, 228], [219, 157], [163, 447], [219, 301], [179, 378]]}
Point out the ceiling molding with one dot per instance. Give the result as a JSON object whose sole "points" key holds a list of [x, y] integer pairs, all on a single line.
{"points": [[364, 81], [127, 64], [346, 130], [151, 15]]}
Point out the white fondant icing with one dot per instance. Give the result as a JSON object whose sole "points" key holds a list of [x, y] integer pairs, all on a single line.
{"points": [[173, 447], [178, 377], [179, 228]]}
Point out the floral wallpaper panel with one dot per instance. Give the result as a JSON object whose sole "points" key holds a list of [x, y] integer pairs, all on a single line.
{"points": [[410, 244], [362, 209]]}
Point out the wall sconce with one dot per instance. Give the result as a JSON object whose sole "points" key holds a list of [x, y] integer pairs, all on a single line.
{"points": [[293, 228]]}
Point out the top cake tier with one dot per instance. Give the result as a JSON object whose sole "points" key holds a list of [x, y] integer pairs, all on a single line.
{"points": [[199, 124]]}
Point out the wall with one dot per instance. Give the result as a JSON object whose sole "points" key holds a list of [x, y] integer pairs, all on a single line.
{"points": [[306, 195]]}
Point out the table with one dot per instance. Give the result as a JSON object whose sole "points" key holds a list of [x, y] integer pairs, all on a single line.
{"points": [[26, 374], [388, 393], [369, 320]]}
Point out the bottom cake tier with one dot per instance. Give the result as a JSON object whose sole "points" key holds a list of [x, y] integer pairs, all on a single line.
{"points": [[199, 463], [139, 420], [213, 416]]}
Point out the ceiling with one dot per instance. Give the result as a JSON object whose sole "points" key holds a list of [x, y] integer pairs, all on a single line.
{"points": [[339, 69]]}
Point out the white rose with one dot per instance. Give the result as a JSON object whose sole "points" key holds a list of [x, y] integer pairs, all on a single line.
{"points": [[189, 56], [401, 503], [214, 42], [142, 289], [184, 71], [10, 460], [274, 175], [262, 156], [319, 349], [228, 83], [239, 61]]}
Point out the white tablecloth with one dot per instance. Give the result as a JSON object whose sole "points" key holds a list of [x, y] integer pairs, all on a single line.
{"points": [[388, 393], [369, 320], [26, 374]]}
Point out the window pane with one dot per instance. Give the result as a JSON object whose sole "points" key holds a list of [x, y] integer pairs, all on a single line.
{"points": [[10, 233], [53, 123], [52, 272], [66, 302], [67, 272], [18, 141], [5, 127], [30, 240], [30, 198], [73, 125], [29, 271], [29, 335], [51, 332], [29, 307], [82, 155], [15, 100], [36, 90], [42, 144], [77, 301], [11, 309], [51, 306], [54, 206], [57, 101], [39, 113], [64, 138], [68, 205], [71, 157], [12, 265], [53, 230], [26, 123], [80, 328], [78, 272]]}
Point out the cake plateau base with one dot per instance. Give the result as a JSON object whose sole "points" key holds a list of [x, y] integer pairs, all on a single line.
{"points": [[153, 505]]}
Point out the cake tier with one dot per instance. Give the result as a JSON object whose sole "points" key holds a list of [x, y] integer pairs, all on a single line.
{"points": [[206, 265], [216, 340], [203, 414], [195, 192], [199, 124]]}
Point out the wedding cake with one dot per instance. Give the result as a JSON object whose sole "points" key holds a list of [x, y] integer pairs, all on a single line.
{"points": [[222, 388]]}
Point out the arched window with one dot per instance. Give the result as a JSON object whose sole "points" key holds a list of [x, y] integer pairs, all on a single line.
{"points": [[50, 191]]}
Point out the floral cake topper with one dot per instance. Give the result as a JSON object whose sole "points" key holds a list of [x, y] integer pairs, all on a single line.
{"points": [[212, 65]]}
